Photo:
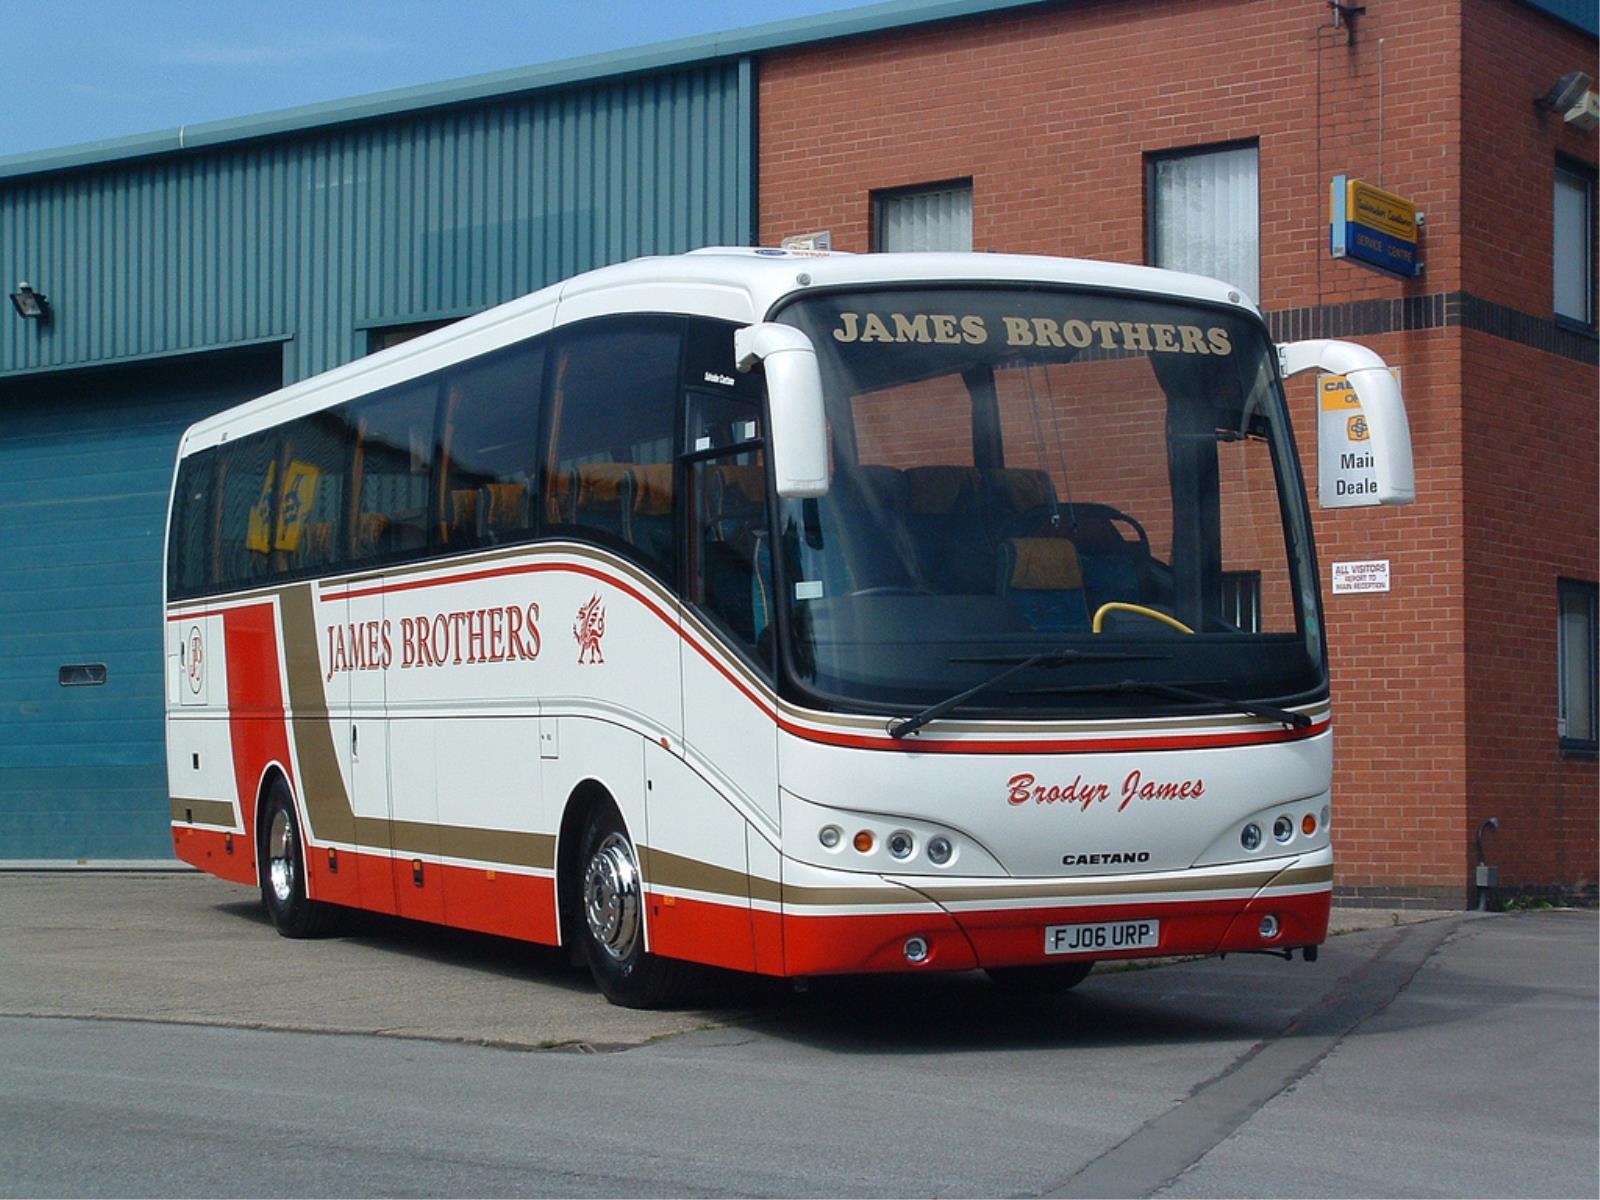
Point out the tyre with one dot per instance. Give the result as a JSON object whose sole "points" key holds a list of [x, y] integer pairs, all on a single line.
{"points": [[610, 919], [281, 867], [1055, 977]]}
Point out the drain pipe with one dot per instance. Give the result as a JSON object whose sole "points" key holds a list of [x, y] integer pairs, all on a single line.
{"points": [[1488, 877]]}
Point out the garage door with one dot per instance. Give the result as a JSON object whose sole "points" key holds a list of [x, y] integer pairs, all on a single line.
{"points": [[85, 467]]}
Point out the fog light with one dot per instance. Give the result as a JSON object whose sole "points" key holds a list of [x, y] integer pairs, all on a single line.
{"points": [[916, 949], [939, 851], [863, 841], [1269, 927], [1283, 828], [830, 835], [1308, 824], [901, 844], [1250, 836]]}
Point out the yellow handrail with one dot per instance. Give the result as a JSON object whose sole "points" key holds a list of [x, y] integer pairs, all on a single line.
{"points": [[1123, 606]]}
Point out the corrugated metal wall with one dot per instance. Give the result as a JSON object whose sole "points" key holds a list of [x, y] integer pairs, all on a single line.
{"points": [[318, 237]]}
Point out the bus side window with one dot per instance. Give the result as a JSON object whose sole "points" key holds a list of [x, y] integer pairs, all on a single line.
{"points": [[487, 437], [247, 478], [190, 539], [613, 401], [306, 536], [392, 473]]}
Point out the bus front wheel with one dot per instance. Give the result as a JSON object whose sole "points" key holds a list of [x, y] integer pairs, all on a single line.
{"points": [[281, 867], [611, 919]]}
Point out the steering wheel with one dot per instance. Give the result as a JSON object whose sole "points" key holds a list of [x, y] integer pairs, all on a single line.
{"points": [[1037, 522], [1155, 614], [1059, 520]]}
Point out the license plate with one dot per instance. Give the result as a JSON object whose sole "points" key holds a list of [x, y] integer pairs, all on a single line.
{"points": [[1098, 939]]}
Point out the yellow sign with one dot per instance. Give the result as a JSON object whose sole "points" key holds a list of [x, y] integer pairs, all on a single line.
{"points": [[1337, 394], [1381, 210], [257, 534], [299, 494]]}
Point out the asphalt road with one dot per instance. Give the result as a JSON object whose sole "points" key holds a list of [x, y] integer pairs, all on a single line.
{"points": [[1453, 1057]]}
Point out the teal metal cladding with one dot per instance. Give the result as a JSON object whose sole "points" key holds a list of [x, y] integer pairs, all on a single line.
{"points": [[85, 470], [315, 238]]}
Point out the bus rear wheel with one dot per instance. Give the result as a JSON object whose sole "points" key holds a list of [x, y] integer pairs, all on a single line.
{"points": [[281, 867], [1054, 977], [610, 919]]}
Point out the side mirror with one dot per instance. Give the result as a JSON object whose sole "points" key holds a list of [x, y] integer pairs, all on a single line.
{"points": [[798, 434], [1381, 404]]}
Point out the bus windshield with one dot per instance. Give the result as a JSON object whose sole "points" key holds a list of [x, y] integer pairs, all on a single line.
{"points": [[1095, 488]]}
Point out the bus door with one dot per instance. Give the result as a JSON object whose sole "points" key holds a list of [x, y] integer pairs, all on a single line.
{"points": [[726, 691], [391, 738], [364, 737]]}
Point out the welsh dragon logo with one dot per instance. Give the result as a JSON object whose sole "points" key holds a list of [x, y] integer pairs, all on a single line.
{"points": [[591, 627]]}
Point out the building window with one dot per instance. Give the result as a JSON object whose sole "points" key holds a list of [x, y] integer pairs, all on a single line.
{"points": [[924, 218], [1204, 215], [394, 335], [1575, 716], [1573, 248]]}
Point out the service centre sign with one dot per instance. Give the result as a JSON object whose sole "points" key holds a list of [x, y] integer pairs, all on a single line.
{"points": [[1346, 476], [1373, 226]]}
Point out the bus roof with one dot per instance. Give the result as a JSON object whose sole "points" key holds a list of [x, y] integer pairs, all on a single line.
{"points": [[735, 283]]}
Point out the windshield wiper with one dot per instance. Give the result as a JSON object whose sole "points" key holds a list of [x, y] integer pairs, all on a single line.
{"points": [[1059, 658], [1295, 720]]}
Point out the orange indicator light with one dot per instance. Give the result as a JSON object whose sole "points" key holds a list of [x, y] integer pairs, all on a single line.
{"points": [[1308, 824], [863, 841]]}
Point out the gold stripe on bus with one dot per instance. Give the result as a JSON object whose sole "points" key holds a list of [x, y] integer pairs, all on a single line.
{"points": [[819, 897], [667, 870], [503, 847], [203, 812], [322, 789], [1130, 885]]}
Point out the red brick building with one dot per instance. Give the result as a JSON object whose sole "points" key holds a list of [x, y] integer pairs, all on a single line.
{"points": [[1052, 121]]}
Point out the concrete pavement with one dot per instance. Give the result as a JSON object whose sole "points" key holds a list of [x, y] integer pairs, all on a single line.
{"points": [[1451, 1057]]}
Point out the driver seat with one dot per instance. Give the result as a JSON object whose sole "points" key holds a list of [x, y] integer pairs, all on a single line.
{"points": [[1043, 580]]}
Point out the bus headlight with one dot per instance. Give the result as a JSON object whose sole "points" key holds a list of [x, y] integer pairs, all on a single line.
{"points": [[1283, 828], [900, 844], [1250, 836], [939, 851], [829, 836]]}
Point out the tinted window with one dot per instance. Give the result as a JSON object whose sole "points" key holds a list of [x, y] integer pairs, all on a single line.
{"points": [[614, 387], [189, 540], [488, 434], [246, 483], [308, 531], [393, 470]]}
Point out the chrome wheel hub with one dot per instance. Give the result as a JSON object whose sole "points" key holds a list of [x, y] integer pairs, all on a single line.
{"points": [[611, 896], [280, 856]]}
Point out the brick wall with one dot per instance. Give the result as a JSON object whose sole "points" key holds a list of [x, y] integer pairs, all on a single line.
{"points": [[1530, 477], [1052, 112]]}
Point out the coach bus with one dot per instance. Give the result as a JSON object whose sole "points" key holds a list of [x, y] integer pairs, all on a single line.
{"points": [[795, 614]]}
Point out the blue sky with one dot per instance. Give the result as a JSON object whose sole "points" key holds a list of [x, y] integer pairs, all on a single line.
{"points": [[84, 70]]}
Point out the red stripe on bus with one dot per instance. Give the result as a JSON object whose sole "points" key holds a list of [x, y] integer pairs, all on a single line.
{"points": [[1085, 745], [257, 726]]}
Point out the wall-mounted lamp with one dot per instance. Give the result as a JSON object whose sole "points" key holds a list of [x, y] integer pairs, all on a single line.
{"points": [[1573, 96], [30, 305]]}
